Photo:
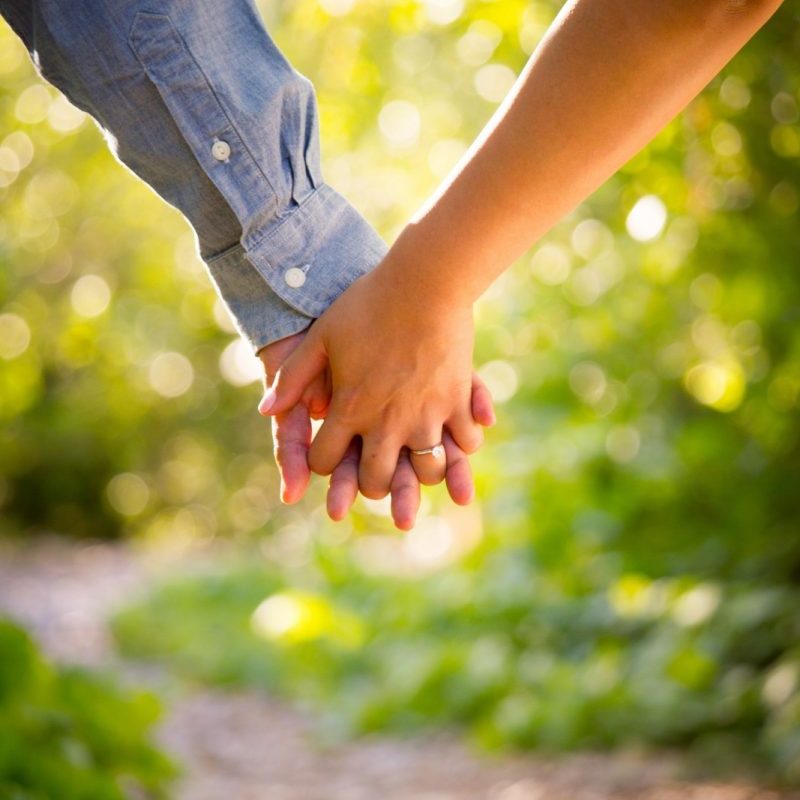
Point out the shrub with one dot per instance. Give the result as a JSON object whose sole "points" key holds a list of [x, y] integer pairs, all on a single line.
{"points": [[70, 734]]}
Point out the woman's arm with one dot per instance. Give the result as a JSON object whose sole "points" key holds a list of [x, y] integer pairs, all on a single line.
{"points": [[607, 77], [604, 81]]}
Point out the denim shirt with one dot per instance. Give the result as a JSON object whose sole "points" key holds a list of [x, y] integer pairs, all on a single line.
{"points": [[198, 101]]}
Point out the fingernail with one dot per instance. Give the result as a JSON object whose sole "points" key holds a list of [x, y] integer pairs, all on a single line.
{"points": [[267, 401]]}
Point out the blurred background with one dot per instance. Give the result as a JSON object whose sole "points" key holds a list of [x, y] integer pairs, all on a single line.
{"points": [[630, 571]]}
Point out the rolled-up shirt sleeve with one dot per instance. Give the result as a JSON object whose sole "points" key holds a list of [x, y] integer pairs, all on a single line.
{"points": [[199, 102]]}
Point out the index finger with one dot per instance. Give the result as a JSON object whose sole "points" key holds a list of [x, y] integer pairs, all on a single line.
{"points": [[291, 436]]}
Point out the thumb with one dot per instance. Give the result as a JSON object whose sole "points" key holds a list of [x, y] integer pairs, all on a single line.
{"points": [[294, 376]]}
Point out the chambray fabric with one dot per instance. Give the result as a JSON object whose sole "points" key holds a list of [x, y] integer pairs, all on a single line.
{"points": [[167, 79]]}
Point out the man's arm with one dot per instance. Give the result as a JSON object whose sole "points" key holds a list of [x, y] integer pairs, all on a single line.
{"points": [[199, 102]]}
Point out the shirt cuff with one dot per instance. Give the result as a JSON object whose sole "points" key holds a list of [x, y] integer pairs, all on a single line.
{"points": [[288, 273]]}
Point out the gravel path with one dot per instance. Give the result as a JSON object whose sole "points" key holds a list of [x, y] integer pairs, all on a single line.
{"points": [[245, 746]]}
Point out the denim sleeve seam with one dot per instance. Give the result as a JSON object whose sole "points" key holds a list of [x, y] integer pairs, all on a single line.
{"points": [[143, 14], [273, 230], [221, 254]]}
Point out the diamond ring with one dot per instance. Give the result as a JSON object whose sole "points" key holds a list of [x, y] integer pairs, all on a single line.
{"points": [[437, 451]]}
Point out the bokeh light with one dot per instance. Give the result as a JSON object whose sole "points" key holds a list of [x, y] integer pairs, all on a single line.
{"points": [[128, 494], [400, 123], [15, 336], [494, 81], [720, 385], [90, 296], [238, 365], [171, 374], [647, 218]]}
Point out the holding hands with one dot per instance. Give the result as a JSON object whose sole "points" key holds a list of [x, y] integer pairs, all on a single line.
{"points": [[390, 372], [389, 364]]}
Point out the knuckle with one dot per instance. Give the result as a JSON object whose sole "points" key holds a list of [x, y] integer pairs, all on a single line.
{"points": [[404, 487], [456, 460], [380, 440], [286, 451], [349, 401], [340, 480], [427, 436], [457, 481]]}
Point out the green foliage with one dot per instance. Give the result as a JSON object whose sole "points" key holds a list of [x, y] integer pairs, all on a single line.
{"points": [[500, 648], [631, 569], [67, 734]]}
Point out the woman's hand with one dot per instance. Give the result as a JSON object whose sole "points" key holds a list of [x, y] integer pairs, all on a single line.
{"points": [[401, 373], [291, 433]]}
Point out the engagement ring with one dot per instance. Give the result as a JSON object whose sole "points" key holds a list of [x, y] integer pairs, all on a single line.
{"points": [[437, 451]]}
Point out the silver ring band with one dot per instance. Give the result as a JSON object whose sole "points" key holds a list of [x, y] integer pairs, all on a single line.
{"points": [[437, 451]]}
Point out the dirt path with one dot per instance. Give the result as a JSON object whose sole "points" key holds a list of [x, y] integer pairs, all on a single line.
{"points": [[245, 746]]}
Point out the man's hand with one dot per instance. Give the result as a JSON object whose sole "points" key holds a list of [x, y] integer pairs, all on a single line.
{"points": [[291, 430]]}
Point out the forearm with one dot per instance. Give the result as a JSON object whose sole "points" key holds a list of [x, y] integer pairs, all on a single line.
{"points": [[606, 78], [200, 104]]}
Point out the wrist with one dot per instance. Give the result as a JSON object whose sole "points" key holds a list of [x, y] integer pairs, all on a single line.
{"points": [[419, 268]]}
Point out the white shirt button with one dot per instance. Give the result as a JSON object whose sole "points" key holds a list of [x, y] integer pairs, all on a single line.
{"points": [[221, 150], [294, 277]]}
